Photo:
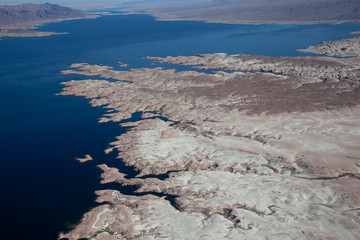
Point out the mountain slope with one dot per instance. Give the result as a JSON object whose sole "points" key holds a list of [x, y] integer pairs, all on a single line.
{"points": [[28, 14]]}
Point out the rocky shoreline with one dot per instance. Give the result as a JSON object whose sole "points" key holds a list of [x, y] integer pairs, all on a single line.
{"points": [[20, 20], [260, 148], [341, 48]]}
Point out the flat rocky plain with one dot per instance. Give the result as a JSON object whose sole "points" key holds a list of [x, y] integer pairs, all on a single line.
{"points": [[247, 147]]}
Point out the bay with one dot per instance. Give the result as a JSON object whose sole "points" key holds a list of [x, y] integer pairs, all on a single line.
{"points": [[44, 190]]}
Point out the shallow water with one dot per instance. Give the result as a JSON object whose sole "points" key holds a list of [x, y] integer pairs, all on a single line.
{"points": [[44, 189]]}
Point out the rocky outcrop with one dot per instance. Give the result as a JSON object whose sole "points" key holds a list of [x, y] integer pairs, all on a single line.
{"points": [[15, 20], [259, 148], [309, 69], [341, 48], [29, 13], [84, 159]]}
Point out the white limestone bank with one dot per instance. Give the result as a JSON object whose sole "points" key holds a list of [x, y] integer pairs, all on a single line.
{"points": [[267, 150]]}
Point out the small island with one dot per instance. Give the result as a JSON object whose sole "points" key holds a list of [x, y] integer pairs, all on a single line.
{"points": [[84, 159]]}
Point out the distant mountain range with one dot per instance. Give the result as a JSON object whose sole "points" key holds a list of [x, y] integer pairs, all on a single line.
{"points": [[28, 14]]}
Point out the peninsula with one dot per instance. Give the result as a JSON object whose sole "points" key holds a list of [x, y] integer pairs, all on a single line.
{"points": [[240, 147], [341, 48]]}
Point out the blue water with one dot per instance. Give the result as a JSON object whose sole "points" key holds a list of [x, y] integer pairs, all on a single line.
{"points": [[44, 190]]}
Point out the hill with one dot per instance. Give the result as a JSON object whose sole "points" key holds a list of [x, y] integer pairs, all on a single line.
{"points": [[26, 15]]}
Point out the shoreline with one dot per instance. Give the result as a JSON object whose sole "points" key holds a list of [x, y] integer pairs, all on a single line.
{"points": [[256, 126], [158, 17], [28, 29], [26, 33], [255, 12]]}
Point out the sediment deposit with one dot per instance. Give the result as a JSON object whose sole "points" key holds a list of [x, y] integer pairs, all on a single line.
{"points": [[260, 148]]}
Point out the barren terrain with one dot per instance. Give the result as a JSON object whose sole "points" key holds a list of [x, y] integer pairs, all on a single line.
{"points": [[16, 20], [341, 48], [241, 147]]}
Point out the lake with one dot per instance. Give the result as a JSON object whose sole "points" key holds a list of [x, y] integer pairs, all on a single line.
{"points": [[44, 189]]}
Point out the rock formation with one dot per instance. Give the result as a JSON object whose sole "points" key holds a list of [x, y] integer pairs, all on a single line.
{"points": [[341, 48], [84, 159], [259, 148], [34, 13], [16, 19]]}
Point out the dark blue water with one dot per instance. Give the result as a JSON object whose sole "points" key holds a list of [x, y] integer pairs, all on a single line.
{"points": [[44, 190]]}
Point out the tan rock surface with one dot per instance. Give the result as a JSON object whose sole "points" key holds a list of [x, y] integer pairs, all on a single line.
{"points": [[341, 48], [268, 149], [84, 159]]}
